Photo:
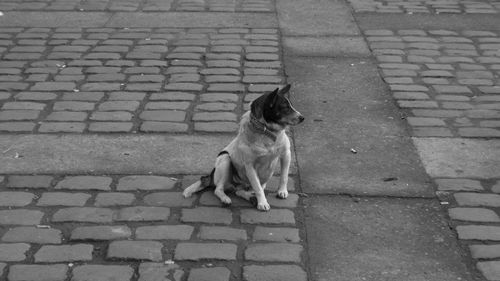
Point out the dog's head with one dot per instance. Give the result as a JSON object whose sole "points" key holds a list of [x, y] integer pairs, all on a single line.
{"points": [[275, 108]]}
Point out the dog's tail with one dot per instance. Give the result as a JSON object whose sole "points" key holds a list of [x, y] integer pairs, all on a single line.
{"points": [[200, 184]]}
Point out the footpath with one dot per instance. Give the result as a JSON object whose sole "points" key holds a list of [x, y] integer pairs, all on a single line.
{"points": [[109, 108]]}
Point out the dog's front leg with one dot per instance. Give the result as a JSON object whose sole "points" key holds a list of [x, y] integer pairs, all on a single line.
{"points": [[285, 160], [253, 178]]}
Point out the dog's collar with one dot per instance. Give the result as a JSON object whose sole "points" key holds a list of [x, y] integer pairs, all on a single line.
{"points": [[260, 127]]}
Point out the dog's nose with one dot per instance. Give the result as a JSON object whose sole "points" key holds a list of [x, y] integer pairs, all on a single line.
{"points": [[301, 118]]}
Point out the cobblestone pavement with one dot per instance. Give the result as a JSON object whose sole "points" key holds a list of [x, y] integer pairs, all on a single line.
{"points": [[427, 6], [141, 5], [447, 82], [129, 80], [474, 207], [84, 227]]}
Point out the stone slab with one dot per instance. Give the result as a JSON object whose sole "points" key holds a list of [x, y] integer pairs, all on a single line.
{"points": [[340, 46], [381, 240], [347, 106], [115, 154], [54, 19], [315, 18], [192, 19], [459, 158]]}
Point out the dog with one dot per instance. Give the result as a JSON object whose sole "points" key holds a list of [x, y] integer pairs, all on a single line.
{"points": [[250, 159]]}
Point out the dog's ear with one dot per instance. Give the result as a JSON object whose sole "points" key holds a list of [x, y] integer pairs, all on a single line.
{"points": [[272, 98], [285, 90]]}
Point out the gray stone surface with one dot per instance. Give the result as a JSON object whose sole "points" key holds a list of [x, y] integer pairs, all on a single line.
{"points": [[382, 239], [341, 46], [347, 106], [102, 273], [315, 18], [110, 154], [137, 250], [460, 158]]}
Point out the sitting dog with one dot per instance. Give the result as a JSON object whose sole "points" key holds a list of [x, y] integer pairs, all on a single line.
{"points": [[249, 161]]}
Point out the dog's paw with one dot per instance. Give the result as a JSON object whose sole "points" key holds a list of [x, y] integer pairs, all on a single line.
{"points": [[282, 194], [263, 206], [225, 200]]}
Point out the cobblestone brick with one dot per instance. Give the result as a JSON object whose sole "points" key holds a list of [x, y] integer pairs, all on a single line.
{"points": [[164, 232], [56, 127], [104, 232], [102, 273], [479, 132], [222, 233], [119, 106], [36, 96], [73, 106], [67, 116], [149, 271], [474, 214], [477, 199], [275, 234], [151, 126], [485, 251], [202, 251], [219, 106], [64, 253], [273, 272], [29, 181], [131, 183], [63, 199], [17, 126], [110, 127], [143, 214], [22, 272], [137, 250], [427, 122], [209, 274], [490, 269], [274, 216], [33, 235], [82, 96], [432, 132], [20, 217], [172, 96], [114, 199], [218, 97], [478, 232], [15, 199], [163, 115], [83, 214], [85, 183], [24, 105], [53, 86], [216, 126], [13, 252], [111, 116], [168, 199], [274, 252], [19, 115], [459, 184], [207, 215]]}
